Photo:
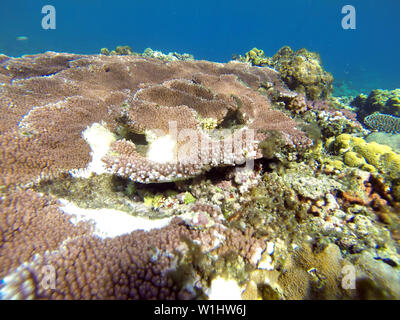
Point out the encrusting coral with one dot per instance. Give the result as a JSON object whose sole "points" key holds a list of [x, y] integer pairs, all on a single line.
{"points": [[372, 156]]}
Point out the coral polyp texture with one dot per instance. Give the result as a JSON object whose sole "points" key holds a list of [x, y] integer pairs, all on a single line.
{"points": [[170, 116], [378, 100]]}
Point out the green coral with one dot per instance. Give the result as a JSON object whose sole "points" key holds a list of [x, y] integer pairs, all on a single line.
{"points": [[189, 198], [119, 50], [105, 51], [394, 101], [124, 50], [302, 71], [153, 201], [208, 124], [256, 57], [130, 189], [272, 145], [354, 159]]}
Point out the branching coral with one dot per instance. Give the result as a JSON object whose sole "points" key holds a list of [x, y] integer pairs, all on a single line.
{"points": [[70, 262], [144, 96], [371, 156]]}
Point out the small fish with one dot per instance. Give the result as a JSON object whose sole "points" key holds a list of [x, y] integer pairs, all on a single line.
{"points": [[22, 38]]}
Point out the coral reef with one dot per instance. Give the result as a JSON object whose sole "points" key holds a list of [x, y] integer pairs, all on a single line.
{"points": [[57, 110], [392, 140], [153, 176], [256, 57], [119, 50], [182, 102]]}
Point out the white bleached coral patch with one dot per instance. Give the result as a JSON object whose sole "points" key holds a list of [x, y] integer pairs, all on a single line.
{"points": [[99, 139], [162, 150], [223, 289], [111, 222]]}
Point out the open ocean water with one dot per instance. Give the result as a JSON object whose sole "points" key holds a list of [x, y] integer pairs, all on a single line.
{"points": [[363, 58]]}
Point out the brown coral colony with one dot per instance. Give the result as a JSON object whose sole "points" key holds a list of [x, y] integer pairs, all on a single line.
{"points": [[47, 101]]}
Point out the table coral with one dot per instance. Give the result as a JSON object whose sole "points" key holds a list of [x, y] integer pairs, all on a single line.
{"points": [[52, 102], [182, 104], [132, 92]]}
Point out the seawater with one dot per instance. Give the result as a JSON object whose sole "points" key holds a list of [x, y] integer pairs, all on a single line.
{"points": [[363, 58]]}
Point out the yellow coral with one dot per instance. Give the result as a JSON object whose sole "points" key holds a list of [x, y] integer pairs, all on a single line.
{"points": [[369, 168], [391, 163], [309, 271], [344, 142], [337, 164], [370, 157], [353, 159], [372, 152], [329, 142], [208, 124], [332, 165]]}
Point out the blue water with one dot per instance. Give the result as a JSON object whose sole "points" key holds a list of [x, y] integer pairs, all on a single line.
{"points": [[365, 58]]}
